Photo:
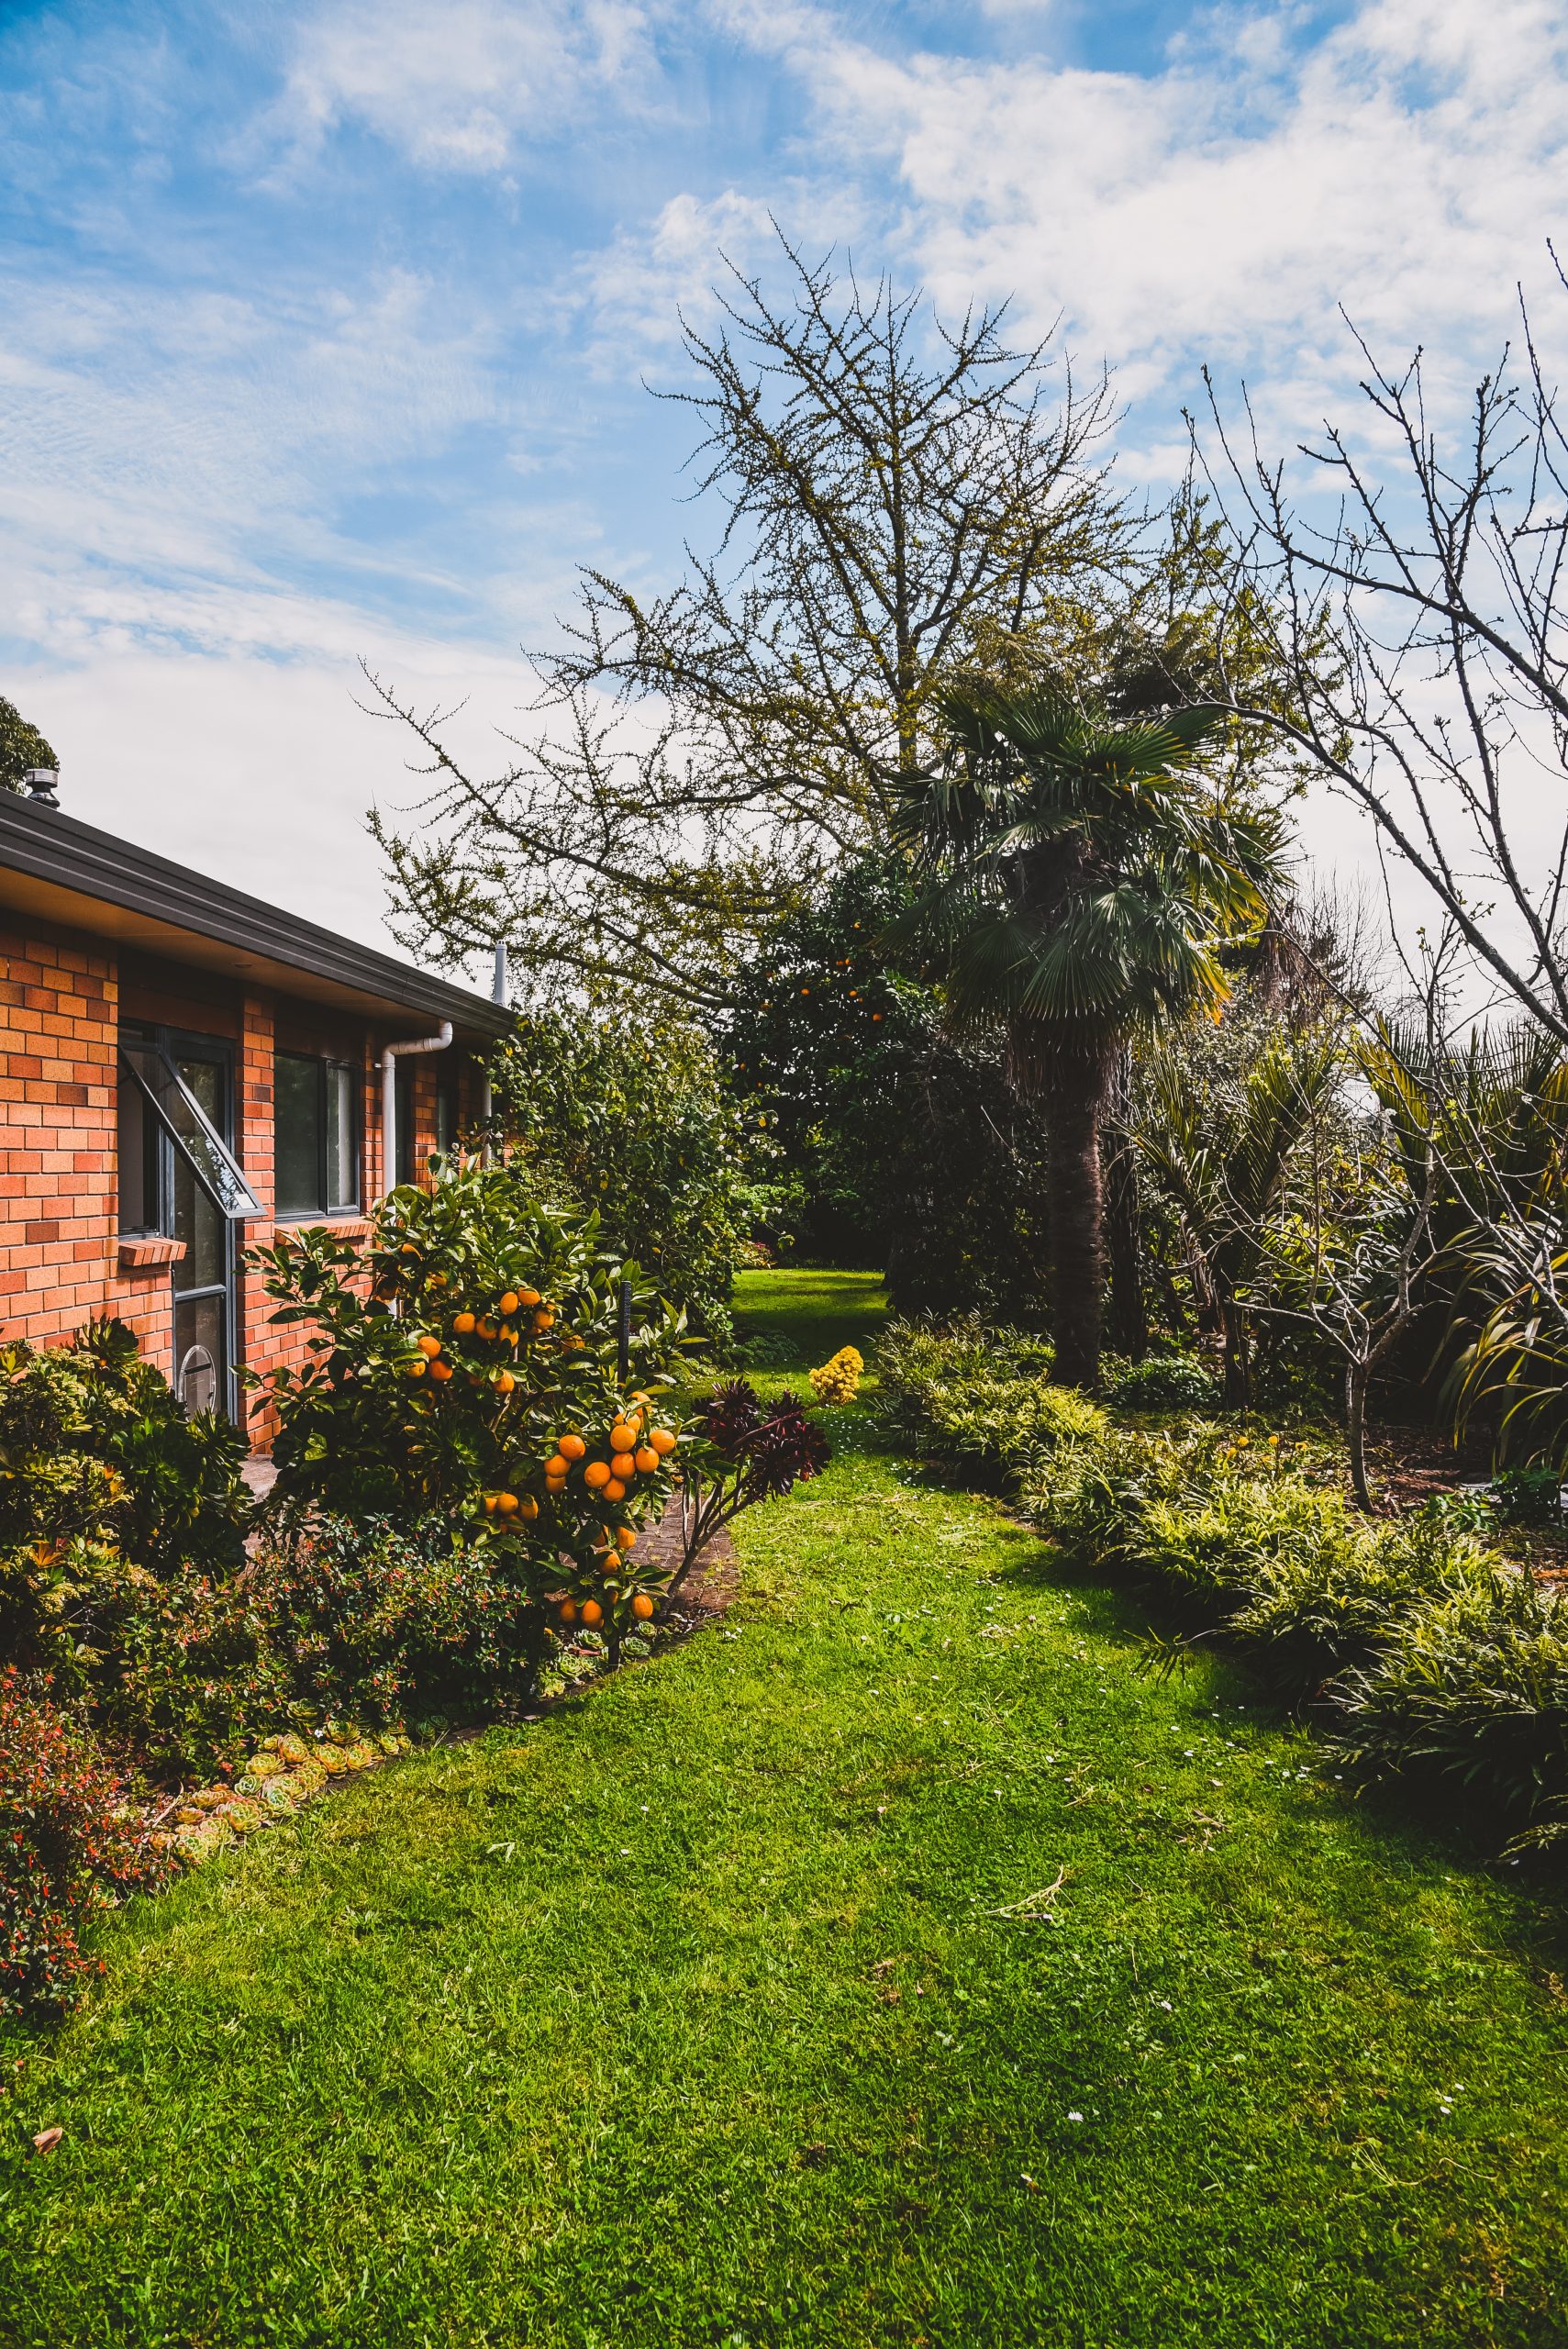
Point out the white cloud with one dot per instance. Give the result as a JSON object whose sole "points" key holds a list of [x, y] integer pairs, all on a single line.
{"points": [[456, 86], [256, 770], [1409, 165]]}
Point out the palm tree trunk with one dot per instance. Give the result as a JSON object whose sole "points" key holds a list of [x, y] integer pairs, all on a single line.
{"points": [[1124, 1225], [1074, 1092]]}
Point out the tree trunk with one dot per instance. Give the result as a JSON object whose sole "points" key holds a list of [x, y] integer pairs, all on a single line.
{"points": [[1358, 1378], [1073, 1094], [1238, 1392], [1124, 1229]]}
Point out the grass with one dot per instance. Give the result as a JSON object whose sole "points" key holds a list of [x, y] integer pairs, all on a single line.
{"points": [[706, 2011]]}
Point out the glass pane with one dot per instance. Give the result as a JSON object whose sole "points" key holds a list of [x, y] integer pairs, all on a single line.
{"points": [[446, 1116], [296, 1108], [201, 1361], [342, 1137], [199, 1223], [138, 1151], [194, 1131], [204, 1080]]}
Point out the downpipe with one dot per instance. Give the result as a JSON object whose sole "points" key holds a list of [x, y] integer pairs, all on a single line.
{"points": [[389, 1061]]}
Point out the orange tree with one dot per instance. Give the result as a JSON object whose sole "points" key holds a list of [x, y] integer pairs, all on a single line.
{"points": [[467, 1363]]}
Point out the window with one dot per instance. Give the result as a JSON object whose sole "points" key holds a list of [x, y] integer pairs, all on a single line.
{"points": [[316, 1135], [142, 1205]]}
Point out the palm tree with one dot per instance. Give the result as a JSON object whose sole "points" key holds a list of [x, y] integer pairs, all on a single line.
{"points": [[1075, 884]]}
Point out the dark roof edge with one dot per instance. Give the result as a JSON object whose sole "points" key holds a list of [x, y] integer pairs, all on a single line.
{"points": [[57, 847]]}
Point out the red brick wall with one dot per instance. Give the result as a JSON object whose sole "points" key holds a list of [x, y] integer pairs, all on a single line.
{"points": [[61, 998]]}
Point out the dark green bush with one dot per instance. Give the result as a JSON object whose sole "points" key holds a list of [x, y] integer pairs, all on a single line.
{"points": [[94, 1442], [1161, 1382], [626, 1115], [395, 1619]]}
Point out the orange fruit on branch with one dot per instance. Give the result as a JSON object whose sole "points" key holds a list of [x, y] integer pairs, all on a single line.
{"points": [[593, 1613], [663, 1442], [557, 1468], [464, 1323], [503, 1382], [509, 1303], [528, 1507], [506, 1503], [622, 1464], [646, 1459], [615, 1490], [626, 1536], [529, 1296], [622, 1438], [440, 1369], [427, 1344], [568, 1611], [544, 1318], [596, 1474], [416, 1368], [572, 1446], [642, 1606]]}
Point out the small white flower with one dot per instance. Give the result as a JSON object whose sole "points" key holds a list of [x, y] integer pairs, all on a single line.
{"points": [[1075, 2116], [1166, 2004]]}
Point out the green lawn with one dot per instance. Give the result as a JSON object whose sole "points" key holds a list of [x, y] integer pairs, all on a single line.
{"points": [[695, 2015]]}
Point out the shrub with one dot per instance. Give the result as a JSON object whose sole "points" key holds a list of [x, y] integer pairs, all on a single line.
{"points": [[94, 1442], [1258, 1550], [922, 1364], [1531, 1496], [742, 1451], [838, 1378], [1161, 1382], [69, 1846], [1473, 1688], [488, 1339], [398, 1619], [616, 1113]]}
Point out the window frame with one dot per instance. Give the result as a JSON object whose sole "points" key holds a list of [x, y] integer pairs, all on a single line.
{"points": [[325, 1064]]}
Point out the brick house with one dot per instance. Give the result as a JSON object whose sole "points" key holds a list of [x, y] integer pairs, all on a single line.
{"points": [[184, 1073]]}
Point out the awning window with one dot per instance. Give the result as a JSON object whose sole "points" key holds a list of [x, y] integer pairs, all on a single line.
{"points": [[189, 1127]]}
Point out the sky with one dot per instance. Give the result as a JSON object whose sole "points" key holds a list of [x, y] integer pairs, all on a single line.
{"points": [[328, 330]]}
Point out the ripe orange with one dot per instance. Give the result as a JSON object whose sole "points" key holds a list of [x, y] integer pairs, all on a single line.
{"points": [[664, 1442], [440, 1369], [646, 1459], [490, 1502], [572, 1446], [596, 1474], [622, 1464], [426, 1344], [508, 1335], [642, 1606], [556, 1466], [503, 1382], [509, 1303], [568, 1611], [485, 1329], [528, 1507], [615, 1490], [622, 1438], [626, 1536], [416, 1368], [506, 1503], [593, 1613], [544, 1318], [464, 1324], [408, 1249], [528, 1297]]}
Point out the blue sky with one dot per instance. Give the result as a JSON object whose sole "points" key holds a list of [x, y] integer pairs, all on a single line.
{"points": [[323, 327]]}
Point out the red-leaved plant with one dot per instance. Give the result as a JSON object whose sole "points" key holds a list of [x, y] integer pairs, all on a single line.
{"points": [[738, 1451], [70, 1845]]}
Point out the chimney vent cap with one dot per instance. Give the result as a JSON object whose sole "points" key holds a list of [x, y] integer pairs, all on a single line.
{"points": [[42, 783]]}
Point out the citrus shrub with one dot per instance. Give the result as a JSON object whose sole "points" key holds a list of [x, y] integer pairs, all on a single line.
{"points": [[838, 1378], [70, 1847], [467, 1365]]}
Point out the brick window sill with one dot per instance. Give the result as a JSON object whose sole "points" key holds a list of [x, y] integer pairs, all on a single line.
{"points": [[149, 1255]]}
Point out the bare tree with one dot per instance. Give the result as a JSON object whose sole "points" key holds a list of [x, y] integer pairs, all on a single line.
{"points": [[1438, 572], [895, 497]]}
